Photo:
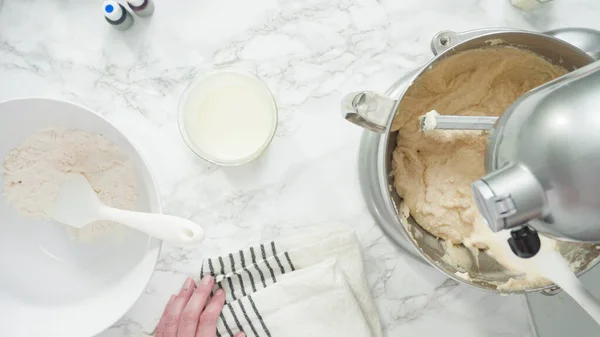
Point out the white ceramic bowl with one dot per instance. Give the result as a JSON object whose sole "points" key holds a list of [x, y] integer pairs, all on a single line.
{"points": [[51, 285]]}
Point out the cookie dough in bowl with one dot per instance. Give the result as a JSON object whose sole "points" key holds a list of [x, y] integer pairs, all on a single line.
{"points": [[433, 170]]}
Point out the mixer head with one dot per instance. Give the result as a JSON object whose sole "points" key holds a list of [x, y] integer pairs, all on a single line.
{"points": [[542, 160], [509, 199]]}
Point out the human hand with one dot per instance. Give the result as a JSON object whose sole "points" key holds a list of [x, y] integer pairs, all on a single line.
{"points": [[188, 314]]}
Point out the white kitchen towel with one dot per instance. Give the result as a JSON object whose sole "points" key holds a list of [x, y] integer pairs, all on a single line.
{"points": [[314, 301], [266, 280]]}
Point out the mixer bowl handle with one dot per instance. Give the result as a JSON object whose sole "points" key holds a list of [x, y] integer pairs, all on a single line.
{"points": [[368, 109]]}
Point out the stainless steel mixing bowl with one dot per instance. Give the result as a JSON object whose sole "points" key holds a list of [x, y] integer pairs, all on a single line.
{"points": [[570, 48]]}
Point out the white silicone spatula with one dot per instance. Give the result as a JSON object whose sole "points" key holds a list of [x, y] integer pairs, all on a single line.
{"points": [[78, 205], [554, 267]]}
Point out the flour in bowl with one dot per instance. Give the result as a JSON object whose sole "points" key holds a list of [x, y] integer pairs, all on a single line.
{"points": [[35, 170]]}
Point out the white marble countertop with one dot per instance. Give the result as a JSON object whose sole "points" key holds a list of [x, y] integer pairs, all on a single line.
{"points": [[310, 52]]}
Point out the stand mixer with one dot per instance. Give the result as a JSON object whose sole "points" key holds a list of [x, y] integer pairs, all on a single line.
{"points": [[542, 163]]}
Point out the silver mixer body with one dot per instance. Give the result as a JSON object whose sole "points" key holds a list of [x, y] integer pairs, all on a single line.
{"points": [[543, 161]]}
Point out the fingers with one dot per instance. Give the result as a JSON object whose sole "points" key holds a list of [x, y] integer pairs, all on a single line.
{"points": [[188, 322], [160, 328], [240, 334], [207, 325], [187, 289], [174, 312]]}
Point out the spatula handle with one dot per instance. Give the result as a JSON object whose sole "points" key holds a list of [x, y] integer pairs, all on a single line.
{"points": [[171, 229]]}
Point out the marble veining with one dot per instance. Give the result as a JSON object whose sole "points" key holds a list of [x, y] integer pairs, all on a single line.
{"points": [[310, 53]]}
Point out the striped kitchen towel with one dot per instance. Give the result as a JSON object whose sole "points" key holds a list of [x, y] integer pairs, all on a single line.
{"points": [[305, 286]]}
